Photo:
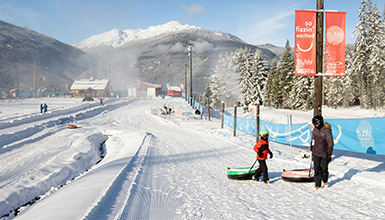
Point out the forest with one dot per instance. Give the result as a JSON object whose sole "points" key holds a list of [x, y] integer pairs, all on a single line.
{"points": [[277, 86]]}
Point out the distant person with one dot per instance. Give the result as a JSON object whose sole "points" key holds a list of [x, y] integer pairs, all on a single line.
{"points": [[101, 101], [45, 107], [262, 149], [322, 148], [41, 108]]}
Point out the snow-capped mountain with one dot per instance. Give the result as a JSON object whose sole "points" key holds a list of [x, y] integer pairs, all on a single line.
{"points": [[117, 38], [159, 54]]}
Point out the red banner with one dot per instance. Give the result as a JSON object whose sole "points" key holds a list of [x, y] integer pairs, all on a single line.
{"points": [[305, 43], [335, 43]]}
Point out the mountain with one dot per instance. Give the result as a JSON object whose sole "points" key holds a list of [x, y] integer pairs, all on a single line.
{"points": [[57, 64], [158, 54]]}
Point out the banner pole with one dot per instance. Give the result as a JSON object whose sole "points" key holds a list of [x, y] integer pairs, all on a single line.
{"points": [[319, 58]]}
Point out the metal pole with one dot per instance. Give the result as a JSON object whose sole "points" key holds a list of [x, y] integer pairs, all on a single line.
{"points": [[110, 83], [319, 59], [200, 101], [34, 80], [208, 107], [191, 92], [185, 81], [235, 120]]}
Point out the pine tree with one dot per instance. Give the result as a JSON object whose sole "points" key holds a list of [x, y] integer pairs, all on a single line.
{"points": [[376, 58], [359, 63], [285, 76], [259, 75], [271, 90], [243, 59], [301, 93]]}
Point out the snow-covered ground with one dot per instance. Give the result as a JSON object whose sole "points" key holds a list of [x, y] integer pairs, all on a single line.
{"points": [[124, 161]]}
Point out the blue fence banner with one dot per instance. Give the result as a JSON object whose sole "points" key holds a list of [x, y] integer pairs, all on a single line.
{"points": [[365, 135], [357, 135]]}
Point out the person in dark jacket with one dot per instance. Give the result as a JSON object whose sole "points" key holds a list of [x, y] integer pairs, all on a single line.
{"points": [[41, 108], [45, 107], [262, 149], [322, 149]]}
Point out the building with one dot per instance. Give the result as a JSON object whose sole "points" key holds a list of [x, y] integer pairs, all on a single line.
{"points": [[91, 88], [144, 89], [174, 91]]}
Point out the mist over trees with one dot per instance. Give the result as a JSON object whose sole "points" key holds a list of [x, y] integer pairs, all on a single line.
{"points": [[277, 86]]}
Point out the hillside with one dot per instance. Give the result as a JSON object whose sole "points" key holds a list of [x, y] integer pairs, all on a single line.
{"points": [[57, 63], [159, 54]]}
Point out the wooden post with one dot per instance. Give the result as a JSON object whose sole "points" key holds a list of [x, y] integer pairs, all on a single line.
{"points": [[257, 121], [235, 120], [319, 59], [223, 113], [208, 107]]}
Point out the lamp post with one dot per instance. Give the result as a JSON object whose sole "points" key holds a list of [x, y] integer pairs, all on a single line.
{"points": [[190, 55], [34, 80], [185, 81]]}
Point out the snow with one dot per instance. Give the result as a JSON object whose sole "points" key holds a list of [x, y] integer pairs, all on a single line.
{"points": [[124, 161], [116, 37]]}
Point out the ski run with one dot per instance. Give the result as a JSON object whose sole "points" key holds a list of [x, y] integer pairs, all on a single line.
{"points": [[125, 161]]}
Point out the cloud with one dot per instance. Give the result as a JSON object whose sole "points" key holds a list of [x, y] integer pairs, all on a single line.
{"points": [[194, 9], [273, 28]]}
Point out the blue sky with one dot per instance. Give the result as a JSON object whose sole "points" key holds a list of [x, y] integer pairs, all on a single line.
{"points": [[254, 21]]}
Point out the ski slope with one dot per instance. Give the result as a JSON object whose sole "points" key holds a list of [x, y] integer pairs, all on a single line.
{"points": [[127, 162]]}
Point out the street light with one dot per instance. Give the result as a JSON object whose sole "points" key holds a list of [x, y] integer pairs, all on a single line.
{"points": [[185, 81], [190, 55]]}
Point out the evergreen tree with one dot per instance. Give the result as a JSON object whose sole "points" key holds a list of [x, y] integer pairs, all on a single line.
{"points": [[271, 90], [359, 63], [285, 77], [259, 75], [376, 59], [301, 93], [243, 59]]}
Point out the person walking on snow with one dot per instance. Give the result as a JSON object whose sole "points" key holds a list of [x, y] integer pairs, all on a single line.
{"points": [[322, 148], [262, 149], [45, 107], [41, 108]]}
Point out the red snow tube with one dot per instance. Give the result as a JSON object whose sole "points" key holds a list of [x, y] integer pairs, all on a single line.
{"points": [[72, 126], [301, 175]]}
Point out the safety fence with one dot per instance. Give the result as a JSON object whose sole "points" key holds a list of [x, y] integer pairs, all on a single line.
{"points": [[364, 135]]}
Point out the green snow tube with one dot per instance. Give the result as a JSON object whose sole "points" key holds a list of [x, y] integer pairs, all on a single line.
{"points": [[243, 173]]}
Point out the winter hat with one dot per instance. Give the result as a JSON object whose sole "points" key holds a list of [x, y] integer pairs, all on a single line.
{"points": [[318, 121], [264, 133]]}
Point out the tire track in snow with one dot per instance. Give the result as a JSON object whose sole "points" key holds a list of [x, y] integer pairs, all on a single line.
{"points": [[153, 197], [113, 203]]}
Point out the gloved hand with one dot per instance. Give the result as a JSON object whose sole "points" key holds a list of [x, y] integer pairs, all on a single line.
{"points": [[271, 155], [260, 154], [329, 157]]}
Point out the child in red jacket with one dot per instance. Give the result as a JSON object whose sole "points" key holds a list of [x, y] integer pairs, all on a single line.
{"points": [[262, 149]]}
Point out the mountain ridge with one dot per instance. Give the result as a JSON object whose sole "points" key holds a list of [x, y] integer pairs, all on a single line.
{"points": [[117, 38]]}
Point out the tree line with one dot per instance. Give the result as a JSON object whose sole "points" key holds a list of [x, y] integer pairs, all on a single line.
{"points": [[277, 86]]}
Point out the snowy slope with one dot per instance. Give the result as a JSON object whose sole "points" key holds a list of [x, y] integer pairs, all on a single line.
{"points": [[174, 167], [117, 38]]}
